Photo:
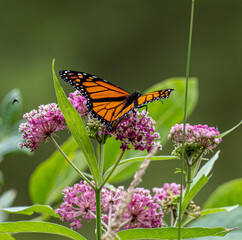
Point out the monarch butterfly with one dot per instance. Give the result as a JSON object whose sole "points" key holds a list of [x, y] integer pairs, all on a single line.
{"points": [[106, 101]]}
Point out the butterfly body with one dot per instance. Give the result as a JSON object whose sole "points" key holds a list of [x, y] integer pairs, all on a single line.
{"points": [[106, 101]]}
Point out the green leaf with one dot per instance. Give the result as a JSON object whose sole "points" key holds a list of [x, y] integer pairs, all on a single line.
{"points": [[165, 115], [206, 169], [193, 191], [216, 210], [39, 227], [5, 236], [199, 181], [230, 219], [6, 200], [171, 233], [229, 131], [8, 111], [135, 159], [29, 210], [229, 193], [76, 127], [53, 175]]}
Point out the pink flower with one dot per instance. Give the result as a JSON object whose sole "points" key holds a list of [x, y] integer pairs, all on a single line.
{"points": [[79, 103], [40, 125], [79, 202], [200, 135], [137, 129], [47, 120]]}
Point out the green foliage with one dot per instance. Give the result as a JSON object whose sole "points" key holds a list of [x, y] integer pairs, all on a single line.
{"points": [[54, 174], [9, 124], [228, 194], [171, 233], [226, 219], [121, 170], [39, 227], [5, 236], [165, 115], [6, 200], [199, 181], [43, 209], [76, 127], [216, 210], [229, 131]]}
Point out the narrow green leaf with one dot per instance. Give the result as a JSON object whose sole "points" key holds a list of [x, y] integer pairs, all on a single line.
{"points": [[29, 210], [6, 200], [216, 210], [76, 127], [171, 233], [206, 169], [53, 175], [5, 236], [227, 194], [199, 181], [225, 219], [137, 159], [193, 191], [39, 227], [229, 131]]}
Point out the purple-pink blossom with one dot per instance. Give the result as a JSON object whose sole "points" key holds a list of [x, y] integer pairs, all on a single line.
{"points": [[48, 119], [199, 134], [137, 129], [40, 124], [79, 103], [79, 204]]}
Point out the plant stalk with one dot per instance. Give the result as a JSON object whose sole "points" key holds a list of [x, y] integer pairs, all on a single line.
{"points": [[98, 213], [185, 116], [70, 162]]}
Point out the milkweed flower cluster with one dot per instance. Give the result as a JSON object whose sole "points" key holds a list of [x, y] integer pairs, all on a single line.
{"points": [[197, 137], [138, 129], [79, 103], [79, 204], [169, 196], [47, 120], [40, 124]]}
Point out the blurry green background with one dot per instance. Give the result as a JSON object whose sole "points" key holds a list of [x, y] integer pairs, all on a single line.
{"points": [[133, 44]]}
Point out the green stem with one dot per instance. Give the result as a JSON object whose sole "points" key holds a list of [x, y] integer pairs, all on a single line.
{"points": [[189, 178], [101, 160], [70, 162], [112, 170], [185, 115], [98, 213]]}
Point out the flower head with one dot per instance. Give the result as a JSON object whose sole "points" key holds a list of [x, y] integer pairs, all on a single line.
{"points": [[79, 103], [40, 124], [142, 211], [79, 202], [137, 129], [198, 134]]}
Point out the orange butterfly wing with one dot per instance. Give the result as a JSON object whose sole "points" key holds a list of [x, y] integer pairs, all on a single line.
{"points": [[154, 96], [105, 101]]}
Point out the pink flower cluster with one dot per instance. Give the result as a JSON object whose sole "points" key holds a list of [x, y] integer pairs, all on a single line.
{"points": [[79, 103], [198, 134], [166, 191], [137, 129], [41, 124], [79, 204], [47, 120]]}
